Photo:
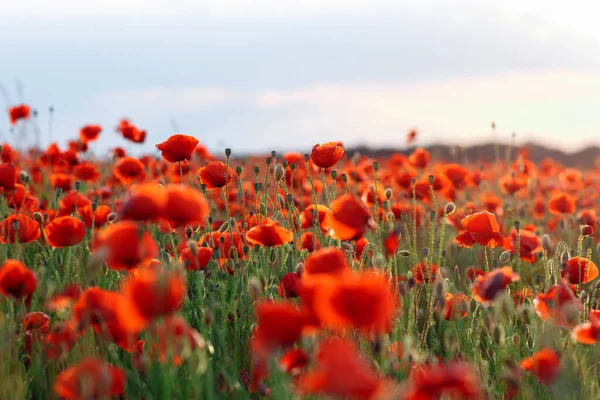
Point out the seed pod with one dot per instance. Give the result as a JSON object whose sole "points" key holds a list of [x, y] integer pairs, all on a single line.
{"points": [[378, 260], [279, 172], [223, 228], [406, 253], [388, 193], [504, 257], [450, 208]]}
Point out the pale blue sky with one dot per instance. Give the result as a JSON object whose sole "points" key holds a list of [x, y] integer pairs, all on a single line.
{"points": [[257, 75]]}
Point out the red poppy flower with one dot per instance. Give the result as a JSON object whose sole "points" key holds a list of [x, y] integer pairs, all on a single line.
{"points": [[123, 246], [419, 158], [129, 170], [455, 306], [512, 183], [90, 379], [348, 218], [227, 244], [326, 155], [155, 293], [86, 172], [269, 235], [185, 206], [329, 261], [16, 280], [145, 202], [456, 379], [530, 244], [487, 287], [61, 339], [342, 372], [215, 175], [364, 301], [8, 176], [481, 228], [561, 204], [545, 365], [310, 242], [96, 219], [64, 298], [19, 229], [560, 304], [178, 147], [313, 215], [473, 273], [195, 257], [288, 285], [16, 113], [580, 270], [293, 361], [131, 132], [89, 133], [64, 232], [175, 339], [422, 272], [411, 136], [589, 331]]}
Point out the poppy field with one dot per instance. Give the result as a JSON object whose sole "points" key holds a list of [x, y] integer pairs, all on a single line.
{"points": [[186, 274]]}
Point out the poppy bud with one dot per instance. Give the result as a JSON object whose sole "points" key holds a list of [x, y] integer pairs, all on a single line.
{"points": [[432, 215], [439, 288], [39, 218], [112, 217], [77, 185], [564, 257], [346, 246], [450, 208], [58, 192], [334, 174], [391, 217], [404, 253], [378, 261], [269, 160], [306, 157], [516, 339], [431, 179], [256, 170], [504, 257], [547, 244], [583, 296], [517, 225], [425, 251], [597, 285], [587, 230], [376, 166], [498, 335], [223, 228], [388, 193], [472, 306], [404, 217], [227, 152]]}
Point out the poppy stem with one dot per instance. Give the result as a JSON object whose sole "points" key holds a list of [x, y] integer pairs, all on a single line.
{"points": [[180, 173]]}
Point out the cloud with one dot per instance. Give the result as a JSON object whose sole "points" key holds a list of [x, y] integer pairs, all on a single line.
{"points": [[558, 106]]}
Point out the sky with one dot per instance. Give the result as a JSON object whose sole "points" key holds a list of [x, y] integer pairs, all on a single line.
{"points": [[257, 75]]}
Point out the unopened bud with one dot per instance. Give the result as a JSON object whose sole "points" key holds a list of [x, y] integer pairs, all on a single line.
{"points": [[450, 208], [504, 257], [388, 193], [39, 218], [112, 217], [279, 172], [587, 230], [404, 253]]}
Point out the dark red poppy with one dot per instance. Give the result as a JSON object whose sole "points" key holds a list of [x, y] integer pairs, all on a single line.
{"points": [[195, 257], [288, 285], [456, 379], [64, 298], [342, 372], [175, 339], [90, 379], [178, 147], [530, 244], [559, 303], [8, 176], [17, 281], [185, 206], [145, 202], [561, 204], [293, 361], [455, 306], [18, 112], [89, 133], [419, 158], [19, 228], [487, 287], [64, 232], [326, 155], [129, 170], [545, 365], [97, 218], [123, 245], [423, 272], [215, 175]]}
